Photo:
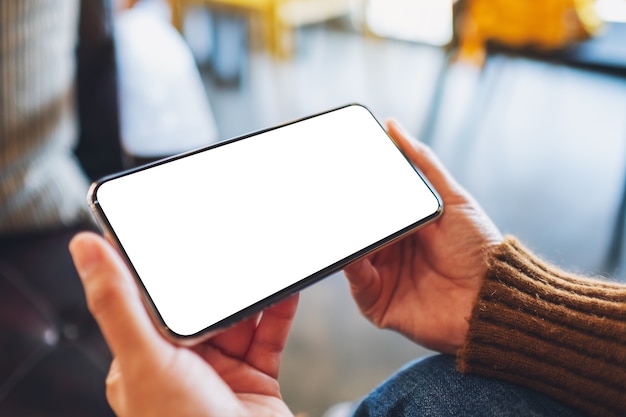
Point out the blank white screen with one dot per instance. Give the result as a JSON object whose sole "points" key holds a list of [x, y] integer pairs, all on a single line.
{"points": [[217, 231]]}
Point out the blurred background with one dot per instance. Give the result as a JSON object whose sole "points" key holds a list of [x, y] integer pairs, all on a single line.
{"points": [[525, 102]]}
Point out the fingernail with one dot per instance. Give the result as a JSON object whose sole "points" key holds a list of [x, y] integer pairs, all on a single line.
{"points": [[85, 253], [393, 122], [400, 128]]}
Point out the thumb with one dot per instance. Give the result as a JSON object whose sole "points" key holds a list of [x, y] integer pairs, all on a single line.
{"points": [[113, 299], [114, 388], [427, 162]]}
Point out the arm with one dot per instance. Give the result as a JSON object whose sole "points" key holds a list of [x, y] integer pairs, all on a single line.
{"points": [[456, 286], [540, 327]]}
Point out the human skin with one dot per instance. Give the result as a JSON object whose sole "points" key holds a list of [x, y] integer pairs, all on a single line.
{"points": [[424, 286], [233, 374]]}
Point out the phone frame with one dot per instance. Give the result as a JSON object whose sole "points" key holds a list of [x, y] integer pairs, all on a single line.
{"points": [[189, 340]]}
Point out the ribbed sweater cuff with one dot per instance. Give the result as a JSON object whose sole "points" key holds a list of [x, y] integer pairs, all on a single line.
{"points": [[557, 333]]}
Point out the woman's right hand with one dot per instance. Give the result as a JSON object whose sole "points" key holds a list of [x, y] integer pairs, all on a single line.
{"points": [[425, 285], [233, 374]]}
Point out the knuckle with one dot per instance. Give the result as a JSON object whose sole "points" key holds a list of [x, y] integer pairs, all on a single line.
{"points": [[102, 296]]}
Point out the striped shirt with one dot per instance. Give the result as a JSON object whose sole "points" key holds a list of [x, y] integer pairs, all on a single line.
{"points": [[41, 183]]}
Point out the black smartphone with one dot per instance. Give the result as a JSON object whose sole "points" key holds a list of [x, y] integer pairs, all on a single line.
{"points": [[217, 234]]}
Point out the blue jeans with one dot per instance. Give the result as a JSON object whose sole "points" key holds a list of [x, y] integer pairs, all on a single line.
{"points": [[433, 387]]}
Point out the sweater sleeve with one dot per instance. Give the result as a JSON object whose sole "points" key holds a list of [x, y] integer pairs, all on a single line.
{"points": [[557, 333]]}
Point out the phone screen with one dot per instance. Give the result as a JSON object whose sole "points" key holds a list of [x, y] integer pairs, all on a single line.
{"points": [[217, 234]]}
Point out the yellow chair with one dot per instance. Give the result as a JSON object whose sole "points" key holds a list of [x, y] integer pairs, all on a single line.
{"points": [[546, 25], [277, 17]]}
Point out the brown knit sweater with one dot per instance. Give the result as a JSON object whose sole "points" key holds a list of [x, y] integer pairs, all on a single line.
{"points": [[551, 331]]}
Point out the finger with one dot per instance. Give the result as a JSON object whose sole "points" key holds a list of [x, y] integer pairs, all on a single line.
{"points": [[113, 298], [114, 389], [426, 160], [364, 282], [271, 336], [236, 340]]}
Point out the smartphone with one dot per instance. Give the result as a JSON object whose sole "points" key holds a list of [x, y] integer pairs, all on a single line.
{"points": [[215, 235]]}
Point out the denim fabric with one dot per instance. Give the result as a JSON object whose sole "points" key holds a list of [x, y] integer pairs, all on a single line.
{"points": [[433, 387]]}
